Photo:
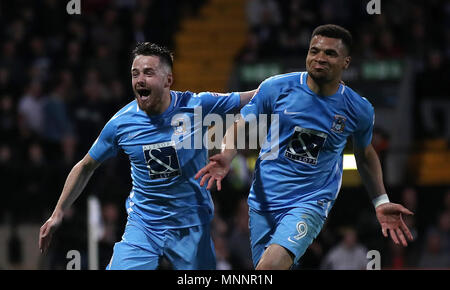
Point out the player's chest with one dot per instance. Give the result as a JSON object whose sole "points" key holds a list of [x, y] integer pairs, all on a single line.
{"points": [[162, 142], [322, 121]]}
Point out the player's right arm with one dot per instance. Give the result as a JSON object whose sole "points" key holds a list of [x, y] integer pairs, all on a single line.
{"points": [[259, 102], [219, 164], [74, 185]]}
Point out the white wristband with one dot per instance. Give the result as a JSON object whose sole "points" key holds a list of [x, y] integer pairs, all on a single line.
{"points": [[382, 199]]}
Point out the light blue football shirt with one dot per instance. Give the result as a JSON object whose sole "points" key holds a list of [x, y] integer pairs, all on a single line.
{"points": [[164, 192], [306, 168]]}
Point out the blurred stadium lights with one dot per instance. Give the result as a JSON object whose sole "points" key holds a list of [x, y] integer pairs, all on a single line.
{"points": [[349, 162]]}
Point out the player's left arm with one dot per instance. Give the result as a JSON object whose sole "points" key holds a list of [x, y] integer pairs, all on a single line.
{"points": [[389, 214], [245, 97]]}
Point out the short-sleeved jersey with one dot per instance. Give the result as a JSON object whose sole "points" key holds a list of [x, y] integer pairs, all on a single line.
{"points": [[306, 167], [164, 158]]}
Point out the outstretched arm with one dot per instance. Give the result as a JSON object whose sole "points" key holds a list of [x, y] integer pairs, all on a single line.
{"points": [[389, 214], [219, 164], [246, 97], [74, 185]]}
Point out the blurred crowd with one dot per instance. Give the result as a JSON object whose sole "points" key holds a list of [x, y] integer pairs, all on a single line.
{"points": [[415, 30], [63, 76], [283, 28]]}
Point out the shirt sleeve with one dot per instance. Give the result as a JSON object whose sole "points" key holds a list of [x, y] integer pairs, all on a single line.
{"points": [[363, 135], [106, 145], [215, 103], [261, 103]]}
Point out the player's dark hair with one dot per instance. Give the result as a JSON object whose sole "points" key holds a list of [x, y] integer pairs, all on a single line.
{"points": [[335, 31], [152, 49]]}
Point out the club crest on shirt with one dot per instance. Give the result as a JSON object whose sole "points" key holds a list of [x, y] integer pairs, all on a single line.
{"points": [[338, 124], [179, 126]]}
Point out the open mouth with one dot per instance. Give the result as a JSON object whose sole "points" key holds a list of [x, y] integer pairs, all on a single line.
{"points": [[143, 93]]}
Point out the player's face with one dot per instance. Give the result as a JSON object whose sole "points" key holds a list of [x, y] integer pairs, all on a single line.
{"points": [[327, 58], [150, 80]]}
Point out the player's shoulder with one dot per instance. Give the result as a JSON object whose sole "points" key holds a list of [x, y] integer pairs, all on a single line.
{"points": [[356, 99], [210, 94], [190, 99], [184, 98], [281, 79], [279, 82], [124, 112]]}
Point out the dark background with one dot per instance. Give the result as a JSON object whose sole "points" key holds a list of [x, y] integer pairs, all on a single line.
{"points": [[63, 76]]}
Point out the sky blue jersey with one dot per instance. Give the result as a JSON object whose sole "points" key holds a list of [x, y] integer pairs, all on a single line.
{"points": [[306, 167], [164, 192]]}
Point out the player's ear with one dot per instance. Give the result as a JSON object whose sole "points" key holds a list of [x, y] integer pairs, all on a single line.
{"points": [[169, 80], [347, 61]]}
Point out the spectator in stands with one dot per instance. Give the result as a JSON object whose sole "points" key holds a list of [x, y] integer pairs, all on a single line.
{"points": [[11, 65], [139, 27], [295, 38], [396, 257], [347, 255], [260, 12], [110, 232], [387, 46], [73, 60], [9, 172], [104, 62], [57, 124], [433, 255], [8, 126], [432, 89], [108, 33], [30, 108], [239, 240], [40, 62], [89, 109], [250, 52], [35, 176], [265, 20], [222, 253], [366, 46]]}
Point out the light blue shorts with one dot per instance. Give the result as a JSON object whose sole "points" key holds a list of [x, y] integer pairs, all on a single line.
{"points": [[292, 228], [186, 248]]}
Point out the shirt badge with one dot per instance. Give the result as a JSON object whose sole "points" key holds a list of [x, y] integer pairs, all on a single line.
{"points": [[338, 124]]}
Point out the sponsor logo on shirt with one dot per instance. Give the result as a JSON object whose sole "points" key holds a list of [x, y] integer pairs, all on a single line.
{"points": [[305, 145], [162, 160]]}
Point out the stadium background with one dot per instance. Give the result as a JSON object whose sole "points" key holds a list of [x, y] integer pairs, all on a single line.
{"points": [[63, 76]]}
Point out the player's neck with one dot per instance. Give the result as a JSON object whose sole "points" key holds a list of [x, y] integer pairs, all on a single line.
{"points": [[323, 89], [162, 107]]}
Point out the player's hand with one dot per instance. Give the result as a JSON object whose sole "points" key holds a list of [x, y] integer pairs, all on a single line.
{"points": [[390, 217], [216, 170], [47, 230]]}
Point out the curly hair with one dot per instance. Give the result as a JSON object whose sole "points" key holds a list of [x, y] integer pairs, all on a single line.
{"points": [[335, 31]]}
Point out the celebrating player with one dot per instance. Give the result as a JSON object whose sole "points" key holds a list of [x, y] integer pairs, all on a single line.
{"points": [[293, 191], [169, 213]]}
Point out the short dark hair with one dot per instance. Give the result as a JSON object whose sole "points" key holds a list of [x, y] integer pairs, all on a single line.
{"points": [[335, 31], [152, 49]]}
